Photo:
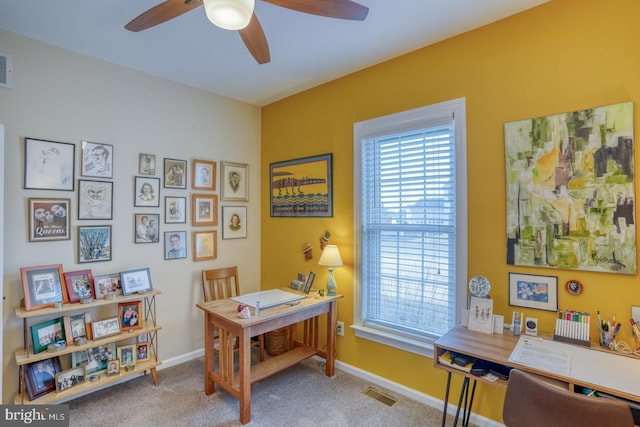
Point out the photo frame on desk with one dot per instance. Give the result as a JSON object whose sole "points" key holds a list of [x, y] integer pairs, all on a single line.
{"points": [[481, 315]]}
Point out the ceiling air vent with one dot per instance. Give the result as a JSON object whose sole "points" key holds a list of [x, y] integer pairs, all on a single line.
{"points": [[6, 68]]}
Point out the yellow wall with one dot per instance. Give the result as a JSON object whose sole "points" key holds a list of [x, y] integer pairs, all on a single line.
{"points": [[562, 56]]}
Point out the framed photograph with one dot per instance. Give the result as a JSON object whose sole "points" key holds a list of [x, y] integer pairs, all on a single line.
{"points": [[94, 359], [49, 219], [146, 228], [40, 377], [147, 164], [130, 315], [75, 327], [94, 243], [95, 199], [147, 192], [138, 280], [143, 350], [79, 285], [175, 244], [203, 175], [234, 181], [113, 367], [46, 333], [533, 291], [205, 245], [127, 355], [302, 187], [175, 210], [49, 165], [107, 284], [234, 222], [204, 210], [106, 327], [97, 160], [175, 173], [70, 378], [309, 282], [42, 286]]}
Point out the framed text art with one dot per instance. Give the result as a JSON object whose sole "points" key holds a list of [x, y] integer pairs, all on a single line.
{"points": [[94, 243], [234, 181], [533, 291], [49, 219], [234, 222], [97, 160], [203, 175], [42, 286], [302, 187], [48, 165], [204, 210], [95, 199]]}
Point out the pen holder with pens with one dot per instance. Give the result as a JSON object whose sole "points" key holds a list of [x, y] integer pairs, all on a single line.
{"points": [[608, 332]]}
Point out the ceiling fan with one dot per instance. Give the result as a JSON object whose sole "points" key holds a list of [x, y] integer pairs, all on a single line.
{"points": [[239, 15]]}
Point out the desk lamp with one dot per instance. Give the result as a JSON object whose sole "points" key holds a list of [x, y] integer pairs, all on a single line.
{"points": [[330, 258]]}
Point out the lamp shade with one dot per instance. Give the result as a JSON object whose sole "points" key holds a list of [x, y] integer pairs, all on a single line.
{"points": [[330, 257], [229, 14]]}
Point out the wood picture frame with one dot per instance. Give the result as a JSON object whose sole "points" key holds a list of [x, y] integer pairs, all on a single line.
{"points": [[94, 243], [175, 210], [130, 314], [75, 326], [49, 219], [96, 160], [79, 285], [40, 377], [113, 367], [143, 351], [175, 173], [146, 192], [70, 378], [204, 210], [107, 284], [94, 359], [205, 245], [127, 355], [49, 165], [106, 327], [533, 291], [147, 164], [137, 280], [95, 199], [203, 175], [42, 286], [234, 222], [146, 228], [175, 245], [234, 181], [48, 332]]}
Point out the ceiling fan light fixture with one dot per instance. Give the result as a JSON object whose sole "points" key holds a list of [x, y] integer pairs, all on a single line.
{"points": [[229, 14]]}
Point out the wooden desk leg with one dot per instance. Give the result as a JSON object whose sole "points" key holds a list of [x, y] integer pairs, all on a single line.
{"points": [[446, 399], [332, 318], [245, 377], [209, 340]]}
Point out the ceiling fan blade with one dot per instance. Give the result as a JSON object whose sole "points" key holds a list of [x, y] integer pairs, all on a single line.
{"points": [[161, 13], [255, 40], [341, 9]]}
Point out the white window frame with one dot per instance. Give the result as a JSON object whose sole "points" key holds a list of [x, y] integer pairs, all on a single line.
{"points": [[418, 118]]}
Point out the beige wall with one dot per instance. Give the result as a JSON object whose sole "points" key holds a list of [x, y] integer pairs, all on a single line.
{"points": [[61, 96]]}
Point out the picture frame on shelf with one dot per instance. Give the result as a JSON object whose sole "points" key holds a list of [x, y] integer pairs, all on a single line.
{"points": [[205, 245], [106, 327], [75, 326], [175, 173], [204, 210], [96, 160], [175, 210], [94, 243], [49, 165], [94, 359], [146, 226], [49, 219], [234, 181], [113, 367], [70, 378], [146, 192], [40, 377], [234, 222], [533, 291], [130, 314], [95, 199], [175, 245], [42, 286], [127, 355], [45, 333], [203, 175], [136, 280], [107, 284], [143, 351], [147, 164], [79, 285]]}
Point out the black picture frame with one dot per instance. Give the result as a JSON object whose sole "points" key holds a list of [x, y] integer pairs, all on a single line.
{"points": [[175, 210], [96, 160], [307, 285], [175, 245], [95, 199], [146, 228], [146, 192], [175, 173], [49, 219], [38, 384], [94, 243], [49, 165]]}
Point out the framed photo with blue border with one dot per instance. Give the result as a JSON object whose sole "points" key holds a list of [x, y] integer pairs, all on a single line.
{"points": [[138, 280]]}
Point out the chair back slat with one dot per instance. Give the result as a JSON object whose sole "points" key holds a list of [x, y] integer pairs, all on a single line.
{"points": [[220, 283]]}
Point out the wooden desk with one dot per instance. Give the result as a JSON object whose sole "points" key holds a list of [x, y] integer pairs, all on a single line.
{"points": [[597, 369], [222, 315]]}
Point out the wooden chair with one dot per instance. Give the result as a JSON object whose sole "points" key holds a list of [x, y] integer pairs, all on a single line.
{"points": [[223, 283], [532, 402]]}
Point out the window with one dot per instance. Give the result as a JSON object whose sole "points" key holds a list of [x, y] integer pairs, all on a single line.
{"points": [[411, 225]]}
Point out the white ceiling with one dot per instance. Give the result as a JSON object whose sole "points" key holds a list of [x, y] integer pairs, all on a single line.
{"points": [[306, 50]]}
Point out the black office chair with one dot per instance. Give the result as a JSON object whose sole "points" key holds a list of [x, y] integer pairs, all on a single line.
{"points": [[532, 402]]}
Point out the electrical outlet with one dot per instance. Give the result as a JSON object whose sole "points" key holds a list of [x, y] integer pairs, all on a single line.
{"points": [[340, 329]]}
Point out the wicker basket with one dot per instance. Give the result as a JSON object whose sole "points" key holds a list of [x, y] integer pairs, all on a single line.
{"points": [[278, 341]]}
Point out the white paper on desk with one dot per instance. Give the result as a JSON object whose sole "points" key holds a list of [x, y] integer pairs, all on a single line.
{"points": [[541, 354], [269, 298]]}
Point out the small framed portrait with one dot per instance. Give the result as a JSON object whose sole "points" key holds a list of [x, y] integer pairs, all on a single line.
{"points": [[147, 164], [79, 285], [95, 199], [147, 192], [42, 286], [94, 243], [46, 333], [205, 245], [105, 328], [234, 181], [175, 210], [146, 228], [138, 280], [175, 244], [234, 222], [533, 291], [75, 327], [175, 173], [309, 282], [97, 160], [49, 219], [127, 355], [204, 210], [142, 351], [40, 377], [49, 165], [130, 315], [94, 359], [203, 175], [107, 284], [113, 367], [70, 378]]}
